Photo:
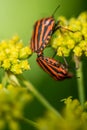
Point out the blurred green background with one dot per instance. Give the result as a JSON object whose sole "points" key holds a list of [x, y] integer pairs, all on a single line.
{"points": [[18, 17]]}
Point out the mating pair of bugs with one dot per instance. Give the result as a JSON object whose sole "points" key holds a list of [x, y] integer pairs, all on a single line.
{"points": [[43, 30]]}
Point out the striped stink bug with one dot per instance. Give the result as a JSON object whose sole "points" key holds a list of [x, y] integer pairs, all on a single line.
{"points": [[42, 33], [55, 69]]}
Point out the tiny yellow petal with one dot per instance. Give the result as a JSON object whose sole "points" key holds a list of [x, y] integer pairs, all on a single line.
{"points": [[24, 52], [14, 125], [83, 17], [68, 100], [13, 60], [10, 87], [16, 68], [11, 42], [2, 56], [25, 65], [19, 44], [4, 44], [1, 86], [14, 53], [63, 51], [58, 41], [74, 24], [77, 36], [63, 20], [70, 43], [15, 38], [83, 45], [84, 30], [85, 53], [77, 51], [6, 64]]}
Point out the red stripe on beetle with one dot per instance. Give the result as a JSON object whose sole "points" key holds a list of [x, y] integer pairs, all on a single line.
{"points": [[54, 68], [42, 34]]}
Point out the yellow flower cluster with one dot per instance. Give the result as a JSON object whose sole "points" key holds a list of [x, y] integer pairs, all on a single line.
{"points": [[75, 117], [13, 55], [12, 102], [72, 36]]}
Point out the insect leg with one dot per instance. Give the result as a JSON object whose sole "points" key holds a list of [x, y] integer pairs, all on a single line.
{"points": [[65, 61], [56, 27], [65, 28]]}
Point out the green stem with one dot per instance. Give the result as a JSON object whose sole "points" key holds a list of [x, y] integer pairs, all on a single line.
{"points": [[31, 88], [81, 93], [13, 79], [5, 79], [30, 122]]}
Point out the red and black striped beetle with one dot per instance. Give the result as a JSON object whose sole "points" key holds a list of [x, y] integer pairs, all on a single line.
{"points": [[55, 69], [43, 30]]}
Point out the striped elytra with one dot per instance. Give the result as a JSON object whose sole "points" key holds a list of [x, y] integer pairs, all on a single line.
{"points": [[55, 69], [42, 32]]}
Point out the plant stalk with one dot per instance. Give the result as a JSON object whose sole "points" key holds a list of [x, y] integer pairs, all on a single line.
{"points": [[30, 122], [81, 92], [47, 105]]}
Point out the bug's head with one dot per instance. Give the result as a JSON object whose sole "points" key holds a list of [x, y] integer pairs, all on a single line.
{"points": [[49, 21], [65, 71]]}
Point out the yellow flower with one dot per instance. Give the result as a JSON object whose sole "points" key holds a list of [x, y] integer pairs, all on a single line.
{"points": [[77, 51], [24, 65], [16, 69], [14, 125], [84, 30], [83, 45], [56, 43], [13, 99], [2, 55], [14, 60], [77, 36], [63, 20], [84, 118], [75, 24], [25, 52], [6, 64], [1, 86], [67, 100], [70, 43], [75, 118], [83, 17], [13, 54], [63, 51], [10, 42], [85, 53], [3, 44], [15, 38], [19, 44], [72, 36]]}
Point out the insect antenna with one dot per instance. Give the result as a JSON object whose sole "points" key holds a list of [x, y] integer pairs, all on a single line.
{"points": [[55, 10]]}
